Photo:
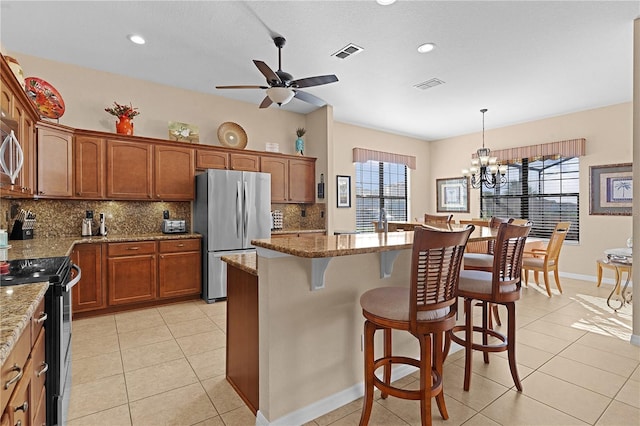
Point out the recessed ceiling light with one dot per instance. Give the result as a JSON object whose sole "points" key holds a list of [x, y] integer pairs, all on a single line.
{"points": [[385, 2], [137, 39], [427, 47]]}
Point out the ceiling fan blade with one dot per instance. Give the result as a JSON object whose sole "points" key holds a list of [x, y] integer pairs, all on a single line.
{"points": [[242, 87], [314, 81], [271, 76], [308, 97], [265, 102]]}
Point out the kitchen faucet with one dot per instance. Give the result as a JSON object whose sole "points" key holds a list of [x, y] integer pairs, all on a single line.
{"points": [[383, 223]]}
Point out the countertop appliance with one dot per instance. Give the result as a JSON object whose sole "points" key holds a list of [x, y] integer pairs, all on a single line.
{"points": [[174, 226], [231, 209], [57, 271]]}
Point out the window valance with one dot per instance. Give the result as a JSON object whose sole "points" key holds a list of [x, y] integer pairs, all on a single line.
{"points": [[568, 148], [362, 155]]}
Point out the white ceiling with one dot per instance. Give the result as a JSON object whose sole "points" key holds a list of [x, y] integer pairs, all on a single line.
{"points": [[523, 60]]}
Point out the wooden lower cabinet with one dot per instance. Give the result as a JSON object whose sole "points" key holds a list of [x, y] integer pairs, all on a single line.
{"points": [[179, 270], [23, 394], [128, 275], [89, 293], [242, 335], [131, 271]]}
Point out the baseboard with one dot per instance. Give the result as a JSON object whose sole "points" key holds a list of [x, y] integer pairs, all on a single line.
{"points": [[328, 404], [591, 278]]}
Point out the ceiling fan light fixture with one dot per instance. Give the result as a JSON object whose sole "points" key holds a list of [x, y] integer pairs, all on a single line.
{"points": [[280, 95], [136, 39], [426, 47]]}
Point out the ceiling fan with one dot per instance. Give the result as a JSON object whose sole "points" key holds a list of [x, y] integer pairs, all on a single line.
{"points": [[281, 85]]}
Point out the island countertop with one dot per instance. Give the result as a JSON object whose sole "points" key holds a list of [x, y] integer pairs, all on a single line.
{"points": [[17, 305], [349, 244]]}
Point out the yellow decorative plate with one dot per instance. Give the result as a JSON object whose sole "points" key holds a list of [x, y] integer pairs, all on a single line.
{"points": [[232, 135]]}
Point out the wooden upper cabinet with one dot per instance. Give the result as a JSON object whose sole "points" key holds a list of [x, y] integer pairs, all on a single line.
{"points": [[89, 162], [292, 179], [207, 159], [174, 170], [302, 175], [129, 170], [55, 162], [279, 169], [244, 162]]}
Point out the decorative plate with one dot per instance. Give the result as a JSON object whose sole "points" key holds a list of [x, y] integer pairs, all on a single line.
{"points": [[45, 96], [232, 135]]}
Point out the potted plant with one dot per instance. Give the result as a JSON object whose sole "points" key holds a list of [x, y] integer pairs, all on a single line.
{"points": [[125, 114], [300, 142]]}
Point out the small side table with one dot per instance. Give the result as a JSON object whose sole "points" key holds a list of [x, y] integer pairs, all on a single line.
{"points": [[623, 296]]}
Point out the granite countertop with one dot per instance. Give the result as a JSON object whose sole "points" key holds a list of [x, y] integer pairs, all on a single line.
{"points": [[17, 305], [244, 262], [349, 244], [296, 231], [62, 246]]}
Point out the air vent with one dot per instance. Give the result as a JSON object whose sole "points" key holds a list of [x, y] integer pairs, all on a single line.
{"points": [[349, 50], [429, 84]]}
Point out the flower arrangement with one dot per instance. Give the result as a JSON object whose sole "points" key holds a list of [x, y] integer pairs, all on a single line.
{"points": [[300, 132], [123, 110]]}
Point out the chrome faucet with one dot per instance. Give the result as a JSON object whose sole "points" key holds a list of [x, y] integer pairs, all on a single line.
{"points": [[383, 223]]}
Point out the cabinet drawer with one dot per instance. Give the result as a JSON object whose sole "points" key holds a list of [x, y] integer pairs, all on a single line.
{"points": [[173, 246], [37, 321], [19, 407], [13, 367], [131, 249]]}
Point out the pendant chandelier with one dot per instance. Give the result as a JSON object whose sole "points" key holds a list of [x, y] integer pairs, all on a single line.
{"points": [[485, 170]]}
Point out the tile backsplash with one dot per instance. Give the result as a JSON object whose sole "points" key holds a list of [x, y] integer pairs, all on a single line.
{"points": [[63, 218]]}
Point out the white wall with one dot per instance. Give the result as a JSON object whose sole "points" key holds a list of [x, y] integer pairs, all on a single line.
{"points": [[608, 132]]}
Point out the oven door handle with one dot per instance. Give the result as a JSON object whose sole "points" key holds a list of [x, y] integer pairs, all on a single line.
{"points": [[68, 286]]}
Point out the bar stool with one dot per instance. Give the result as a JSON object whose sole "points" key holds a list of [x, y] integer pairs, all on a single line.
{"points": [[426, 309], [501, 286]]}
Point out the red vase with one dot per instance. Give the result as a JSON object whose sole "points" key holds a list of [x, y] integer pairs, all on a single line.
{"points": [[124, 126]]}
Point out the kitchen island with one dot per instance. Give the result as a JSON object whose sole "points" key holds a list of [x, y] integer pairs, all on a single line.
{"points": [[310, 320]]}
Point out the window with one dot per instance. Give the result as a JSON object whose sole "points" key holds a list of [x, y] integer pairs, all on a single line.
{"points": [[379, 185], [544, 190]]}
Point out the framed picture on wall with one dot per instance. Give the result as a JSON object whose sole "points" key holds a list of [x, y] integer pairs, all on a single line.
{"points": [[611, 190], [343, 189], [452, 195]]}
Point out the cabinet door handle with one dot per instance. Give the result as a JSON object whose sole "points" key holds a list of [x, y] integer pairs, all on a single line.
{"points": [[45, 368], [16, 378], [24, 407], [43, 317], [133, 248]]}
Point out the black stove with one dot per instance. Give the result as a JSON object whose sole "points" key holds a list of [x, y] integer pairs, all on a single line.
{"points": [[24, 271]]}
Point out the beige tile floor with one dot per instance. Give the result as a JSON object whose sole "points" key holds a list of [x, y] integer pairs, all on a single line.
{"points": [[166, 365]]}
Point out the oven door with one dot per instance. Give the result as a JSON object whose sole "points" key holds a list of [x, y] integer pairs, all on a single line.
{"points": [[61, 316]]}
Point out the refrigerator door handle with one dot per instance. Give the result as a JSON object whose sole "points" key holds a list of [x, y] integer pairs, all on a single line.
{"points": [[238, 211], [246, 210]]}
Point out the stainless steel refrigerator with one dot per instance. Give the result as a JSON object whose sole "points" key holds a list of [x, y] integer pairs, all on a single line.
{"points": [[231, 209]]}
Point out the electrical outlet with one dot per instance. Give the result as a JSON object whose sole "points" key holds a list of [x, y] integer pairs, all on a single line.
{"points": [[303, 212], [322, 214]]}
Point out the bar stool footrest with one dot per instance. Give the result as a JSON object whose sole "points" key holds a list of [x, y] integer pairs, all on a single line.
{"points": [[496, 347], [436, 387]]}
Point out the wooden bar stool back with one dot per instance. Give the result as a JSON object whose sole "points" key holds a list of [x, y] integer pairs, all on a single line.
{"points": [[426, 308], [437, 219], [502, 287]]}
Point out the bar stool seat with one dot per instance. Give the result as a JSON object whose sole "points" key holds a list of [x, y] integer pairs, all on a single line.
{"points": [[426, 309]]}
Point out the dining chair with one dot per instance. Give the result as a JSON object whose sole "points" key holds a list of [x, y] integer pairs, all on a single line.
{"points": [[437, 219], [501, 287], [546, 260], [427, 308]]}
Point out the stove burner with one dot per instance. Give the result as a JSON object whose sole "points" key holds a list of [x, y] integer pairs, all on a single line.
{"points": [[24, 271]]}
